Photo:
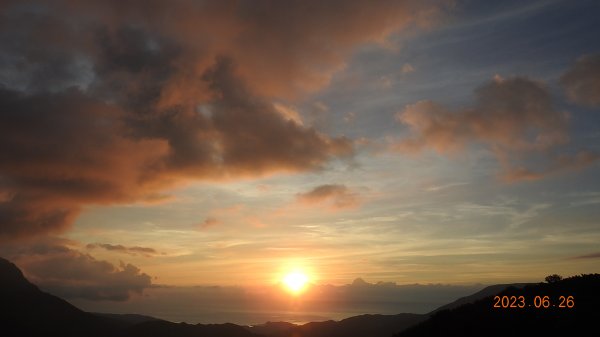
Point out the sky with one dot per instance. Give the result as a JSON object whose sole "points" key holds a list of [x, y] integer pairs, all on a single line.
{"points": [[201, 150]]}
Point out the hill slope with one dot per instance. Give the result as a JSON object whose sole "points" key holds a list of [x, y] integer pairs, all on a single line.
{"points": [[482, 319], [170, 329], [483, 293], [359, 326], [27, 311]]}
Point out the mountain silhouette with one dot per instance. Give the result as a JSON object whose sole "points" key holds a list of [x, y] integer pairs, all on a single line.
{"points": [[482, 319], [128, 319], [27, 311], [359, 326], [483, 293], [170, 329]]}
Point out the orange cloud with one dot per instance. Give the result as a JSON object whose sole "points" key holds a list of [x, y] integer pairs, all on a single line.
{"points": [[582, 81], [335, 197], [118, 101], [511, 117], [59, 151], [513, 114], [283, 49], [209, 222], [144, 251], [559, 164]]}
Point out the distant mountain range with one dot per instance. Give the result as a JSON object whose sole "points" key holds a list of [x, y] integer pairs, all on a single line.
{"points": [[27, 311]]}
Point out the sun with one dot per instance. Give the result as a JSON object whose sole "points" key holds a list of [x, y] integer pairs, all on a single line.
{"points": [[295, 281]]}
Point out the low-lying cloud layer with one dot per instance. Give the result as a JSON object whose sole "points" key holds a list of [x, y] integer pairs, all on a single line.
{"points": [[256, 305], [66, 272]]}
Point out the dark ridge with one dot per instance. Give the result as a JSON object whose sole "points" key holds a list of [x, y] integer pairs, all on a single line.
{"points": [[27, 311], [482, 319], [359, 326], [485, 292], [12, 279], [129, 319], [170, 329], [273, 329]]}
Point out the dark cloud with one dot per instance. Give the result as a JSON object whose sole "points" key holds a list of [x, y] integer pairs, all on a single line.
{"points": [[40, 52], [512, 114], [582, 81], [135, 250], [61, 150], [559, 164], [588, 256], [511, 117], [106, 102], [209, 222], [68, 273], [333, 196]]}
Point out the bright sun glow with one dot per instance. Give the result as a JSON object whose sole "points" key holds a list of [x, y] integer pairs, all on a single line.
{"points": [[295, 281]]}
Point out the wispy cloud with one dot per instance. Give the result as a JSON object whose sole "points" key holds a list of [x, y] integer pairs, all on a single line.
{"points": [[209, 222], [587, 256], [135, 250], [335, 197]]}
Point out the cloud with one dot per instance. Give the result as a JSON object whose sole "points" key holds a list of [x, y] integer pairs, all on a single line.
{"points": [[582, 81], [209, 222], [588, 256], [335, 197], [68, 273], [510, 117], [253, 137], [282, 49], [116, 102], [512, 114], [288, 113], [135, 250], [559, 164], [407, 68], [59, 151]]}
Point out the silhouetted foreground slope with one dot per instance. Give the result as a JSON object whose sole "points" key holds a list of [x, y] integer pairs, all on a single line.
{"points": [[170, 329], [483, 293], [27, 311], [128, 319], [482, 319]]}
